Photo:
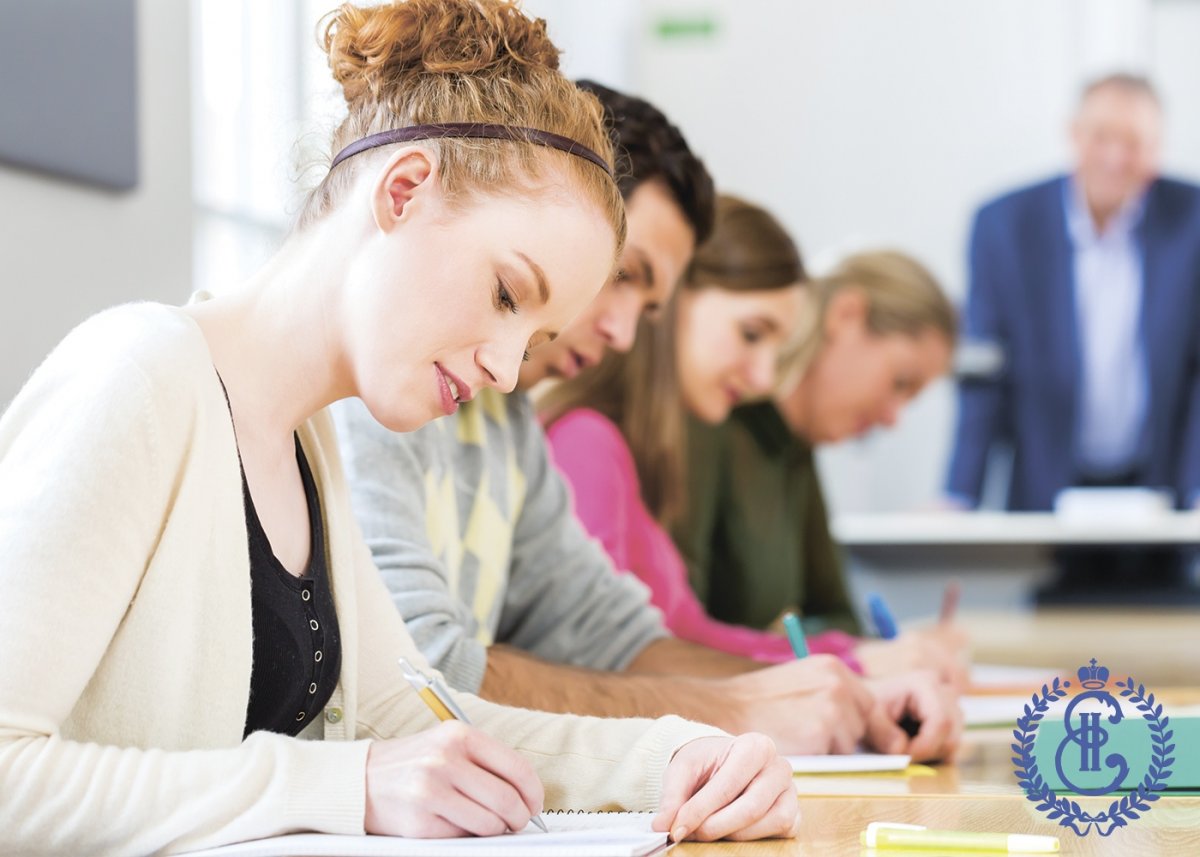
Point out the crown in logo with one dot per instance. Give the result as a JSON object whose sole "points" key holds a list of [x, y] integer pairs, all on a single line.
{"points": [[1093, 677]]}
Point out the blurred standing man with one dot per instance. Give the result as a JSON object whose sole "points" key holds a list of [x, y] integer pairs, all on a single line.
{"points": [[1087, 287]]}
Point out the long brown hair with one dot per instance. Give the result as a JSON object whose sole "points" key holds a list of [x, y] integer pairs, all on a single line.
{"points": [[748, 251], [412, 62]]}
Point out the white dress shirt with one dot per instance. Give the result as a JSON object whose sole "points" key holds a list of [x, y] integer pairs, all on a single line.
{"points": [[1108, 307]]}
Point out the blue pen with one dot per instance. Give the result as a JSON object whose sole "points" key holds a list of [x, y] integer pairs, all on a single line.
{"points": [[885, 623], [795, 635]]}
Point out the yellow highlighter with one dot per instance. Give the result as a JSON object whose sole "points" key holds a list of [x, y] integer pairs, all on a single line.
{"points": [[435, 694], [885, 835]]}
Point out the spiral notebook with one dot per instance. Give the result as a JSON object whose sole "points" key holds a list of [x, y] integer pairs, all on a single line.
{"points": [[582, 834]]}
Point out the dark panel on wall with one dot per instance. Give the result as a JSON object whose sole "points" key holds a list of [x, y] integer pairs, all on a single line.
{"points": [[68, 88]]}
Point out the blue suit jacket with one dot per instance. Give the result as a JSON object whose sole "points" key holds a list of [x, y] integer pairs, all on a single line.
{"points": [[1022, 297]]}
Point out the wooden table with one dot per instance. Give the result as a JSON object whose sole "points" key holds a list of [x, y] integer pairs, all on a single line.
{"points": [[832, 825], [976, 792], [1157, 646]]}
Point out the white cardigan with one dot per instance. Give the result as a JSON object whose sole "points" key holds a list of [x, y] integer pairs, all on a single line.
{"points": [[125, 626]]}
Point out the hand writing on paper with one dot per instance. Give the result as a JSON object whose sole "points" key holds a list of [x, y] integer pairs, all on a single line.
{"points": [[809, 707], [728, 788], [451, 780], [941, 647], [921, 696]]}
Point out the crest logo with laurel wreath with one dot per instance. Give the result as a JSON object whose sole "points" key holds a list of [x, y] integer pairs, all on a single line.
{"points": [[1078, 760]]}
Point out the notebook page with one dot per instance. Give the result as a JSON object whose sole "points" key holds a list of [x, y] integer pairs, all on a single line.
{"points": [[984, 676], [613, 834], [982, 710], [850, 763]]}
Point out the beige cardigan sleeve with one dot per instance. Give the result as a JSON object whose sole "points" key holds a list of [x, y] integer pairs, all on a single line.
{"points": [[86, 473]]}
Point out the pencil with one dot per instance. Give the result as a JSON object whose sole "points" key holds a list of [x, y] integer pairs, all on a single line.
{"points": [[434, 694]]}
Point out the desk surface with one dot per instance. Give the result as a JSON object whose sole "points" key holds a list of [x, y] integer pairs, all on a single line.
{"points": [[978, 792], [832, 826], [1160, 647], [1010, 528]]}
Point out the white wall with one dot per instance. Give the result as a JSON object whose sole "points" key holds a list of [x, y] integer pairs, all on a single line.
{"points": [[857, 121], [68, 250], [871, 122]]}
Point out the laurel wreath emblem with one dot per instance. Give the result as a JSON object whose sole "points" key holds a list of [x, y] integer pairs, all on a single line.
{"points": [[1068, 812]]}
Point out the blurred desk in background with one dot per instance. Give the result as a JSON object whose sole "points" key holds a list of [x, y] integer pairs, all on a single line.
{"points": [[1159, 646], [1001, 556], [1009, 530]]}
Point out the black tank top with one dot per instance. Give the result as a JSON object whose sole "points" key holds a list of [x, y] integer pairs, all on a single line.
{"points": [[297, 649]]}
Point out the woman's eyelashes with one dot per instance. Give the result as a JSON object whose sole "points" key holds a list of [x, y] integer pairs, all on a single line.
{"points": [[751, 335], [504, 298], [505, 302]]}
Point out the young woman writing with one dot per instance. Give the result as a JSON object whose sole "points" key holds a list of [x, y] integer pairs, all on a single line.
{"points": [[187, 595]]}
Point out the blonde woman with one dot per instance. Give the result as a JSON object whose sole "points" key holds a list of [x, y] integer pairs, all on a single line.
{"points": [[186, 594]]}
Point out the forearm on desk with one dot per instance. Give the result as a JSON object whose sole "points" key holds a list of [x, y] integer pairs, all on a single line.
{"points": [[516, 678], [674, 657]]}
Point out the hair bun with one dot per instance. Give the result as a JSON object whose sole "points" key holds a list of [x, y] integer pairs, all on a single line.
{"points": [[372, 49]]}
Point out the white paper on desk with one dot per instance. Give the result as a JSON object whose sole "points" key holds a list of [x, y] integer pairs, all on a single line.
{"points": [[850, 763], [985, 710], [585, 834], [999, 675]]}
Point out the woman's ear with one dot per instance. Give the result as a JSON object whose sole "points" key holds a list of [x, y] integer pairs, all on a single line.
{"points": [[403, 183], [846, 311]]}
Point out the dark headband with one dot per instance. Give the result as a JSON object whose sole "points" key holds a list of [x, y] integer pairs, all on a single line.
{"points": [[485, 130]]}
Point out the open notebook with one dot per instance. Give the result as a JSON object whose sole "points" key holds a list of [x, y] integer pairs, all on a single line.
{"points": [[583, 834]]}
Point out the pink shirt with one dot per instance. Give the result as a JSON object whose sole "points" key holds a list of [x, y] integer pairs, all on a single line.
{"points": [[593, 456]]}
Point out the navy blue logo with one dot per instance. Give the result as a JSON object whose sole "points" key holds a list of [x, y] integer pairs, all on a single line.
{"points": [[1092, 718]]}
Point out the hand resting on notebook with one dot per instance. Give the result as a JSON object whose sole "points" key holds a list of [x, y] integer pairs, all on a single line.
{"points": [[728, 788]]}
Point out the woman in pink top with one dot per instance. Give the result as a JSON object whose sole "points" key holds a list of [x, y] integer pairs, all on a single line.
{"points": [[590, 451], [749, 270]]}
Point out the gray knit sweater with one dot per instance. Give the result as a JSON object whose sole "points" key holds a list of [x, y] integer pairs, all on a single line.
{"points": [[471, 527]]}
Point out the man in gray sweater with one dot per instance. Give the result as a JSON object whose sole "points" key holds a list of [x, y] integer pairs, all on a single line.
{"points": [[502, 589]]}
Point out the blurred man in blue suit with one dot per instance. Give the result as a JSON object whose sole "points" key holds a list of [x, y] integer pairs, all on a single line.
{"points": [[1086, 288]]}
